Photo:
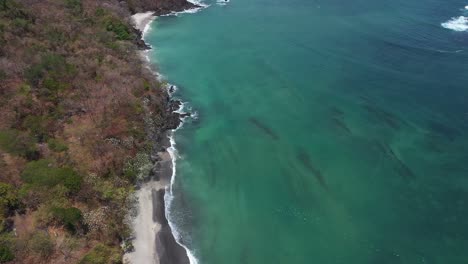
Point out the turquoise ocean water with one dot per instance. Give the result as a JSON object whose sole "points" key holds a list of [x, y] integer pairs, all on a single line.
{"points": [[327, 131]]}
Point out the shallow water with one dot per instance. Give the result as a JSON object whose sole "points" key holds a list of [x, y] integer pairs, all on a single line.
{"points": [[327, 131]]}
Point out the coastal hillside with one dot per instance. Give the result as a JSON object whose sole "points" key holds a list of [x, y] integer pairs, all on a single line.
{"points": [[80, 115]]}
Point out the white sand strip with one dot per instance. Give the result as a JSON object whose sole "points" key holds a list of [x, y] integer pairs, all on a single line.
{"points": [[141, 21]]}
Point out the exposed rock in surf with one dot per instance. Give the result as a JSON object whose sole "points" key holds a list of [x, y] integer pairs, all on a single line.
{"points": [[139, 42], [171, 89]]}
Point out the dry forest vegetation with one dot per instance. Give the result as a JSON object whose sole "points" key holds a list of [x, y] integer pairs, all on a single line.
{"points": [[74, 104]]}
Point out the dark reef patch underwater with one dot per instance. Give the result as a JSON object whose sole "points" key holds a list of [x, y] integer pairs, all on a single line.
{"points": [[328, 131]]}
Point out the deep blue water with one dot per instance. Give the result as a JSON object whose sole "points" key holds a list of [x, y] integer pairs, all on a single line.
{"points": [[327, 131]]}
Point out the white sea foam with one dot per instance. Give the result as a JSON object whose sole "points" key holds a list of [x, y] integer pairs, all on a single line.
{"points": [[198, 3], [187, 11], [222, 2], [457, 24]]}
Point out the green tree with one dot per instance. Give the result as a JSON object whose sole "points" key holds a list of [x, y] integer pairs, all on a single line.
{"points": [[42, 173], [53, 66], [8, 202], [75, 6], [121, 30], [6, 248], [16, 143], [70, 217], [57, 145], [37, 125], [8, 197], [102, 254], [6, 254]]}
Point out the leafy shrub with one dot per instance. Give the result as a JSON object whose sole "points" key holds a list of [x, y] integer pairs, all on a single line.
{"points": [[57, 145], [100, 12], [75, 6], [6, 245], [6, 5], [21, 25], [54, 85], [41, 244], [42, 174], [69, 217], [34, 74], [25, 89], [113, 46], [8, 198], [15, 143], [146, 85], [56, 63], [2, 38], [3, 5], [37, 125], [73, 182], [121, 30], [52, 65], [102, 254], [55, 36], [6, 254], [8, 202]]}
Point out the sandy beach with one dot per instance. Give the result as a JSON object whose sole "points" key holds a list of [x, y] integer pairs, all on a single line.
{"points": [[141, 21]]}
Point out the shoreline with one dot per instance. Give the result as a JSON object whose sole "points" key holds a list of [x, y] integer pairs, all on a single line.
{"points": [[155, 240]]}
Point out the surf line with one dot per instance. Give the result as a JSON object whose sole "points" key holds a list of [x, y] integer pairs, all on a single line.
{"points": [[146, 234]]}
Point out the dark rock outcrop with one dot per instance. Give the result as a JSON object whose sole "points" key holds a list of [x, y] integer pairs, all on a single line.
{"points": [[160, 7], [139, 42]]}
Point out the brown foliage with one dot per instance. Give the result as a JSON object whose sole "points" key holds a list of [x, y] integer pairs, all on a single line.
{"points": [[64, 76]]}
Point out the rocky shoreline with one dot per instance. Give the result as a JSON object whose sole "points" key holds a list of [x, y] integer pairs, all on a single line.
{"points": [[167, 250]]}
